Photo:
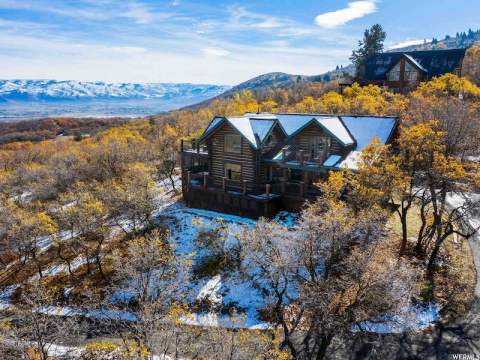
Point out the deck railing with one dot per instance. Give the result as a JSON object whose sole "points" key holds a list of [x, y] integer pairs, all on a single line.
{"points": [[266, 191], [292, 153], [193, 146]]}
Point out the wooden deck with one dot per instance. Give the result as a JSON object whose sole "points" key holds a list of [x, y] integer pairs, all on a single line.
{"points": [[243, 199]]}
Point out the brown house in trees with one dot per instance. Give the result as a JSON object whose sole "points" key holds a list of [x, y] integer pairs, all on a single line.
{"points": [[403, 71], [259, 163]]}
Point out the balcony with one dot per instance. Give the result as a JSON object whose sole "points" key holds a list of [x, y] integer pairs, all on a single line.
{"points": [[242, 197], [193, 147], [292, 157]]}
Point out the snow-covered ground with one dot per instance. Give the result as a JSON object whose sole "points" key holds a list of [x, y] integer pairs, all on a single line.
{"points": [[185, 225], [223, 290]]}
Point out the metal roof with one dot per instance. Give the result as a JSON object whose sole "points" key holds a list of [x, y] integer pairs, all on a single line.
{"points": [[357, 132]]}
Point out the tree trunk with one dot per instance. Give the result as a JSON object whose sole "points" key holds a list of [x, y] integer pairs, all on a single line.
{"points": [[324, 344], [172, 181], [403, 246]]}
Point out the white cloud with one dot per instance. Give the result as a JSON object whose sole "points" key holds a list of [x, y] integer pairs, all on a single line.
{"points": [[354, 10], [221, 63], [215, 52], [409, 43]]}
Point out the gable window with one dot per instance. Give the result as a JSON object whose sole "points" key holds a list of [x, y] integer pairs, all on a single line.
{"points": [[233, 171], [394, 74], [411, 73], [319, 146], [233, 143]]}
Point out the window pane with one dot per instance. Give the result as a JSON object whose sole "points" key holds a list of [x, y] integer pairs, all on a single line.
{"points": [[233, 143], [233, 171], [394, 74]]}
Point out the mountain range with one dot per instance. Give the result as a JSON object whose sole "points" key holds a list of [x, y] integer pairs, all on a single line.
{"points": [[52, 90], [33, 99]]}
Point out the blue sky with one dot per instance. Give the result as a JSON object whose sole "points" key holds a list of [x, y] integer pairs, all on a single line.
{"points": [[206, 41]]}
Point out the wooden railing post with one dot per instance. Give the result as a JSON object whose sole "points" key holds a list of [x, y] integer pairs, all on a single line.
{"points": [[181, 145], [189, 175], [224, 184], [198, 146], [204, 181], [284, 155], [267, 190], [302, 157], [244, 189], [302, 189]]}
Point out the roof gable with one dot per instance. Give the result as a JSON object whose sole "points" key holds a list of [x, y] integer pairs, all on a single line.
{"points": [[365, 128], [254, 129], [433, 62]]}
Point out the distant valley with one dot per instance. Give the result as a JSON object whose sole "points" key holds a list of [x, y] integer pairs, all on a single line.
{"points": [[30, 99]]}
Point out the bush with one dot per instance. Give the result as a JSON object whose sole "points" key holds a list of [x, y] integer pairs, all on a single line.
{"points": [[102, 350]]}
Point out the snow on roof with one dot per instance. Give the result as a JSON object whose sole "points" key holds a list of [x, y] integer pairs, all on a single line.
{"points": [[242, 124], [336, 127], [292, 122], [415, 62], [350, 161], [261, 127], [216, 120], [347, 129], [365, 128]]}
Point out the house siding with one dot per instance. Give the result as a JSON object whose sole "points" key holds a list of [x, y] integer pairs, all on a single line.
{"points": [[218, 158]]}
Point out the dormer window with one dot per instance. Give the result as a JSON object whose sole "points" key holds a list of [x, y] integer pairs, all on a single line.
{"points": [[233, 143]]}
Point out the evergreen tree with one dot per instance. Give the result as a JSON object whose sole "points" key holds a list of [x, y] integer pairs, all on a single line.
{"points": [[371, 44]]}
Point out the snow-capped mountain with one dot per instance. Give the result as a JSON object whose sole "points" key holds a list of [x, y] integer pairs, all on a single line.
{"points": [[70, 90]]}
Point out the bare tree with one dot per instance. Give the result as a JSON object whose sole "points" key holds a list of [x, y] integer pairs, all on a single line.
{"points": [[32, 330], [327, 276], [152, 286]]}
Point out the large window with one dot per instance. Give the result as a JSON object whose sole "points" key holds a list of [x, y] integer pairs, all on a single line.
{"points": [[319, 146], [394, 74], [411, 73], [233, 171], [233, 143]]}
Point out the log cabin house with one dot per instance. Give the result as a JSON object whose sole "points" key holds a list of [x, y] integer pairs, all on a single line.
{"points": [[260, 163], [402, 72]]}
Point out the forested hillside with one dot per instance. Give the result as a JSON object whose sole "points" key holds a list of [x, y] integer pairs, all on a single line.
{"points": [[93, 231]]}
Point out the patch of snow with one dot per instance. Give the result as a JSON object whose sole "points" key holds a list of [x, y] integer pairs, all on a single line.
{"points": [[413, 318], [99, 314], [286, 218], [7, 293], [351, 161], [211, 290], [219, 216]]}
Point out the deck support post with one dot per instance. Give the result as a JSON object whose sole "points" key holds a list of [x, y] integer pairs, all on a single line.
{"points": [[189, 176], [302, 157], [302, 189], [267, 190], [244, 188], [224, 184], [181, 145], [197, 144], [204, 181]]}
